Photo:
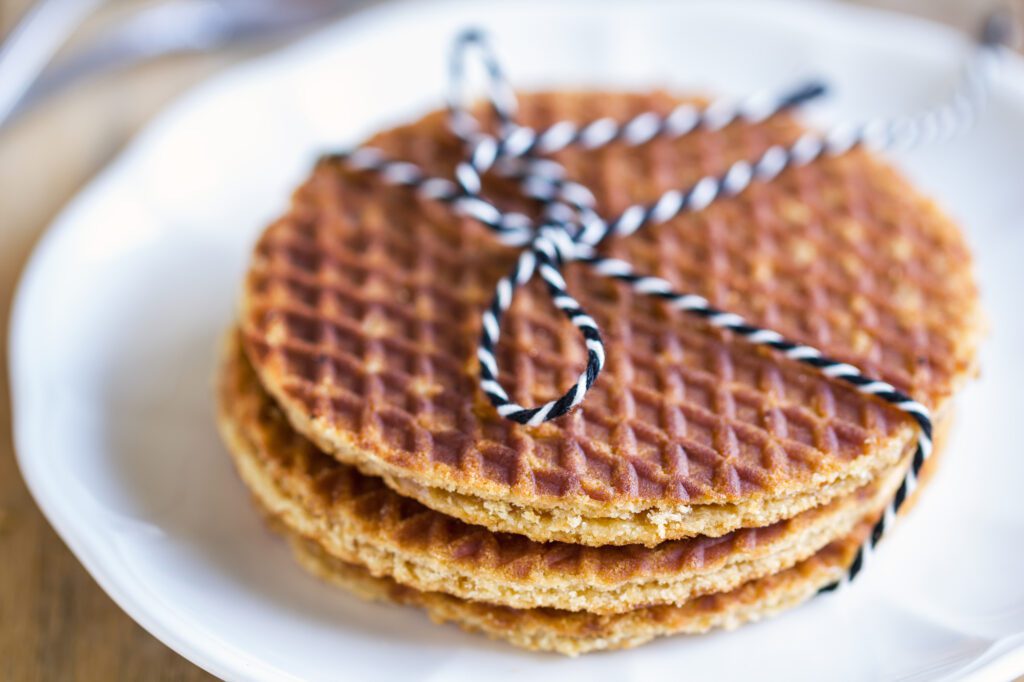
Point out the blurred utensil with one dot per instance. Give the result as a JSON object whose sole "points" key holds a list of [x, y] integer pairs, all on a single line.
{"points": [[32, 44], [174, 26]]}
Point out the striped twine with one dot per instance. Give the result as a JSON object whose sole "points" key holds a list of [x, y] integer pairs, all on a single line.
{"points": [[571, 229]]}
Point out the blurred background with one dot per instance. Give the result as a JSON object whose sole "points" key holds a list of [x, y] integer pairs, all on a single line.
{"points": [[112, 65]]}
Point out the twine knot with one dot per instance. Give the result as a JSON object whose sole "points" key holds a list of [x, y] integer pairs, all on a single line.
{"points": [[570, 229]]}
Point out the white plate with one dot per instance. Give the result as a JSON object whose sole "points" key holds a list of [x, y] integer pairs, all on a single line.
{"points": [[120, 310]]}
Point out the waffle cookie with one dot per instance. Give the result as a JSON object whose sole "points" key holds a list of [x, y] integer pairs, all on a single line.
{"points": [[358, 519], [361, 311], [574, 633]]}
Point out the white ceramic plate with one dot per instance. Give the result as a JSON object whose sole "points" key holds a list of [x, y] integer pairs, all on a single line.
{"points": [[119, 313]]}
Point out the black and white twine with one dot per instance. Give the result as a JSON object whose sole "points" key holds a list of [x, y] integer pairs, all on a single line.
{"points": [[570, 229]]}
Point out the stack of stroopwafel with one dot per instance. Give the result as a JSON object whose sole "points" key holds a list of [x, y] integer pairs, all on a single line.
{"points": [[704, 482]]}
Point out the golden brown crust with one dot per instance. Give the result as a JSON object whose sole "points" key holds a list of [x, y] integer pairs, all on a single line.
{"points": [[358, 519], [361, 312], [574, 633]]}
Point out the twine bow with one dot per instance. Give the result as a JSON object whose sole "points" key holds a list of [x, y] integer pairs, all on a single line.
{"points": [[570, 229]]}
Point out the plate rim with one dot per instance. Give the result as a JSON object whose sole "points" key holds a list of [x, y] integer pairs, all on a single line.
{"points": [[201, 646]]}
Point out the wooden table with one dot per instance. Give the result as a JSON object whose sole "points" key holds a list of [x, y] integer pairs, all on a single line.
{"points": [[55, 623]]}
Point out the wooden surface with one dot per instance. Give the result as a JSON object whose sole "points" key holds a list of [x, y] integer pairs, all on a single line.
{"points": [[55, 623]]}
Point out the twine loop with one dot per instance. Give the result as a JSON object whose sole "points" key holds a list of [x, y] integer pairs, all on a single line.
{"points": [[571, 230]]}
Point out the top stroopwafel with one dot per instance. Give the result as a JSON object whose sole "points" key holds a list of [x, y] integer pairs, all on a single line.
{"points": [[361, 313]]}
